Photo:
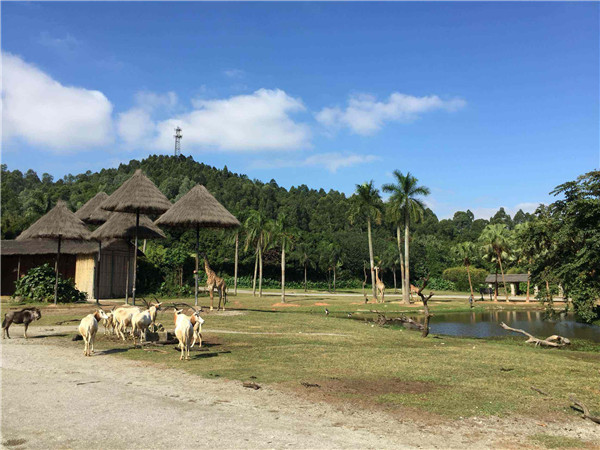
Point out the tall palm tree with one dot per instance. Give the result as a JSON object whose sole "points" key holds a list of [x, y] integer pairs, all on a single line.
{"points": [[392, 259], [366, 203], [395, 215], [495, 239], [304, 255], [283, 237], [465, 252], [258, 235], [406, 195]]}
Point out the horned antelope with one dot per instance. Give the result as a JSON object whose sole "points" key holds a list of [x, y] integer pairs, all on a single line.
{"points": [[197, 322], [142, 320], [122, 317], [88, 328], [184, 332]]}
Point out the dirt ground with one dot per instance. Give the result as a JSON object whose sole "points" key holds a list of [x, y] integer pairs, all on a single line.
{"points": [[54, 397]]}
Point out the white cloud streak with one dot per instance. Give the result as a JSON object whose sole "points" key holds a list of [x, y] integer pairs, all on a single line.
{"points": [[330, 161], [365, 115], [41, 111]]}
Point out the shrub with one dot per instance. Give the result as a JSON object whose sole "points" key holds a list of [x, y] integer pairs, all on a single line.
{"points": [[458, 275], [38, 285], [439, 284]]}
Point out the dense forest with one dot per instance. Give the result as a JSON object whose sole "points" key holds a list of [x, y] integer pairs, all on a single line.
{"points": [[324, 236]]}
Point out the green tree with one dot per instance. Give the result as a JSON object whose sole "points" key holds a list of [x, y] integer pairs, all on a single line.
{"points": [[406, 195], [495, 242], [466, 251], [258, 234], [366, 204], [283, 237]]}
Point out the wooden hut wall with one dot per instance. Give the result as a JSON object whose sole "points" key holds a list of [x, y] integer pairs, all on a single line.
{"points": [[84, 274], [10, 267], [113, 272]]}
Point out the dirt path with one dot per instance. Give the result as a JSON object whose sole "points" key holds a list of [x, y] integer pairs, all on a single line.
{"points": [[53, 397]]}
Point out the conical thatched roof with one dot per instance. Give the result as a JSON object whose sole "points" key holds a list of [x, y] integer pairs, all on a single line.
{"points": [[91, 211], [60, 221], [122, 226], [198, 208], [137, 194]]}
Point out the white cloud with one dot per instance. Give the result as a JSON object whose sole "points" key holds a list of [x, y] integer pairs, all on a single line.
{"points": [[234, 73], [331, 161], [365, 115], [67, 43], [259, 121], [151, 100], [43, 112]]}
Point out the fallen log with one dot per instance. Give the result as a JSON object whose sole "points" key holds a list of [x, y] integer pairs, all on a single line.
{"points": [[383, 320], [552, 341], [539, 391], [578, 406]]}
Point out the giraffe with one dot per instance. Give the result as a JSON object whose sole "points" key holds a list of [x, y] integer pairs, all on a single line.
{"points": [[213, 281], [379, 284]]}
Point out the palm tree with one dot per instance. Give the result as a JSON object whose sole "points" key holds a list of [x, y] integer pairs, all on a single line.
{"points": [[305, 257], [393, 259], [395, 215], [366, 203], [258, 235], [231, 239], [405, 194], [465, 252], [495, 240], [283, 237]]}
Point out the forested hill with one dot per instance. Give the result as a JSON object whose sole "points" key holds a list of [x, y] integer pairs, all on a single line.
{"points": [[316, 217]]}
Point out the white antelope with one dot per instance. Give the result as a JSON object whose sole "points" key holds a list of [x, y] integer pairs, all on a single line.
{"points": [[122, 317], [184, 332], [142, 320], [88, 328], [197, 322], [109, 322]]}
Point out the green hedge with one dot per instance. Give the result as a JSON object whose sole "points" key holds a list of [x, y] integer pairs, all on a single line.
{"points": [[38, 286], [458, 275]]}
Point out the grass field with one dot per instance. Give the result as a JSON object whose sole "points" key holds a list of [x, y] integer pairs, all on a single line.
{"points": [[355, 361]]}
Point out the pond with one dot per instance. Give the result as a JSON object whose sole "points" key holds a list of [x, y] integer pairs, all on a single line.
{"points": [[487, 324]]}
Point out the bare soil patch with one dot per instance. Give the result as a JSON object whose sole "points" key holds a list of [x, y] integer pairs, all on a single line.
{"points": [[285, 305]]}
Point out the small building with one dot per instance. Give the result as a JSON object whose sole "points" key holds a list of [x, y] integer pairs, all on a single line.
{"points": [[511, 278], [78, 261]]}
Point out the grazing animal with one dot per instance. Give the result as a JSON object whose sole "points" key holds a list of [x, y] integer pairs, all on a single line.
{"points": [[197, 322], [122, 317], [486, 290], [413, 290], [184, 331], [109, 322], [213, 281], [326, 312], [379, 285], [88, 328], [142, 320], [24, 316]]}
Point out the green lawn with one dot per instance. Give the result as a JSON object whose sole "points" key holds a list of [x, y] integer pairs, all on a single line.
{"points": [[357, 361]]}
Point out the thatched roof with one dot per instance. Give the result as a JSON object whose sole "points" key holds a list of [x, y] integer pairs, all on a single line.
{"points": [[48, 247], [509, 277], [137, 194], [122, 226], [198, 208], [91, 212], [60, 221]]}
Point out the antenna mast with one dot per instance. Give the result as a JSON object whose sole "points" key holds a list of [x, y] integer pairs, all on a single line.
{"points": [[178, 137]]}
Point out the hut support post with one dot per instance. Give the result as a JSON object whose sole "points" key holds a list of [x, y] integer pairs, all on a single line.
{"points": [[135, 248], [196, 271], [98, 273], [19, 268], [56, 271], [127, 265], [235, 275]]}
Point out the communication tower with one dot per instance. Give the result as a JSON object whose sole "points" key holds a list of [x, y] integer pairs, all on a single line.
{"points": [[178, 137]]}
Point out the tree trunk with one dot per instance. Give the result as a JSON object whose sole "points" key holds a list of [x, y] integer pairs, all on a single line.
{"points": [[135, 250], [283, 272], [329, 280], [334, 278], [260, 270], [528, 283], [406, 255], [197, 265], [470, 284], [548, 293], [255, 272], [503, 280], [372, 259], [395, 288], [56, 271], [235, 267], [19, 268], [305, 269], [496, 285], [402, 277]]}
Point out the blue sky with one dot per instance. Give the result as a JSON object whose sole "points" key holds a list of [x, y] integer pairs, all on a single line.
{"points": [[488, 104]]}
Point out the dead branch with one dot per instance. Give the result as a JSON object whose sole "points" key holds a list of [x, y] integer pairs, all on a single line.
{"points": [[383, 320], [577, 405], [539, 391], [552, 341], [251, 385], [425, 307]]}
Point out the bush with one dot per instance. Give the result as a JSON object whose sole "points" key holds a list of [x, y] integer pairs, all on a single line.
{"points": [[439, 284], [38, 285], [458, 275]]}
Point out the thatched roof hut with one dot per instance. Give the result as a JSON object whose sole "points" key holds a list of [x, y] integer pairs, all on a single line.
{"points": [[60, 222], [198, 208], [122, 226], [91, 212], [137, 194]]}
